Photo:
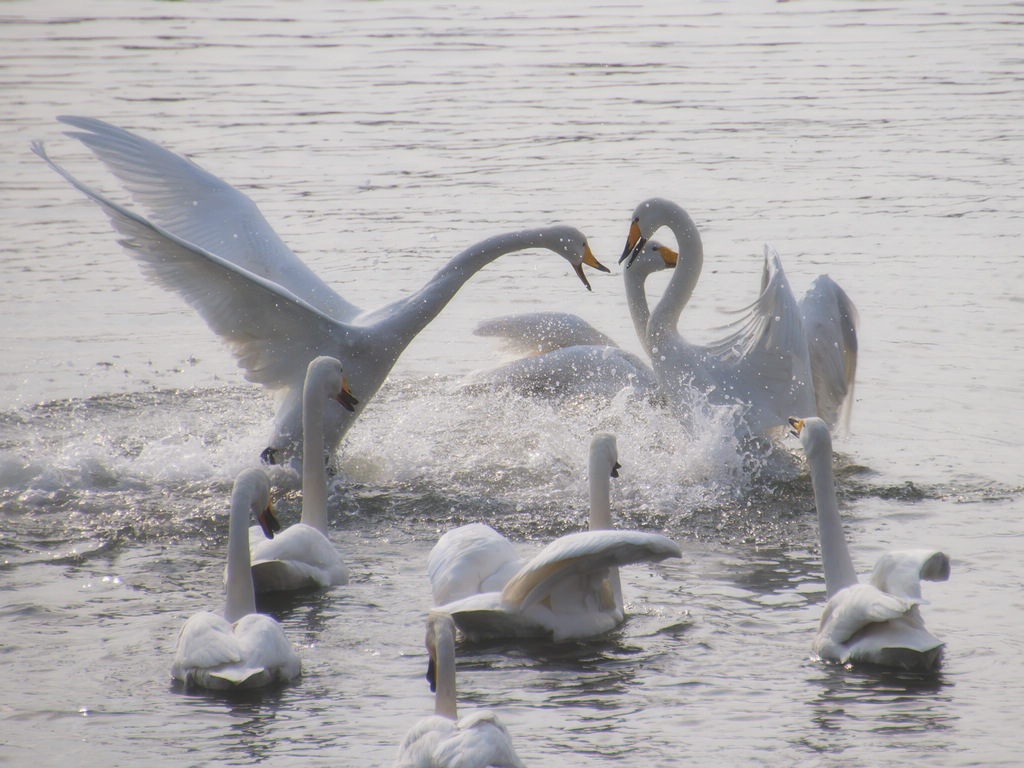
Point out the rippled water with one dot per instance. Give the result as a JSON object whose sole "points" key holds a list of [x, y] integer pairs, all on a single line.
{"points": [[878, 143]]}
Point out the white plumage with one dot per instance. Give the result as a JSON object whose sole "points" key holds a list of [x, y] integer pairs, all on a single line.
{"points": [[569, 590], [208, 242], [876, 623], [241, 648]]}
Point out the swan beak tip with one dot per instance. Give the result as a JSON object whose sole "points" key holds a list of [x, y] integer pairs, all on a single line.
{"points": [[268, 522], [345, 397], [583, 277], [591, 261]]}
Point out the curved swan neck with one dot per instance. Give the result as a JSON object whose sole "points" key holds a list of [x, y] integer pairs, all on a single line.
{"points": [[636, 299], [420, 308], [442, 638], [835, 556], [665, 316], [241, 595], [314, 471]]}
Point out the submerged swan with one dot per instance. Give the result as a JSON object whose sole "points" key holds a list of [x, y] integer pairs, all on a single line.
{"points": [[569, 590], [241, 648], [208, 242], [445, 740], [879, 622], [302, 556], [783, 357], [566, 354]]}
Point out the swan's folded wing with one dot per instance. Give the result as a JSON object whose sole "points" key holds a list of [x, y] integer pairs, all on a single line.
{"points": [[538, 332], [856, 606], [264, 645], [270, 331], [581, 553], [206, 640], [900, 573], [830, 324], [468, 560], [767, 348], [203, 210], [481, 740]]}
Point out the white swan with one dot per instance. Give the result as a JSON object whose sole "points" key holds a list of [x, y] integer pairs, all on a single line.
{"points": [[876, 623], [569, 590], [209, 243], [241, 648], [445, 740], [302, 556], [782, 357], [566, 355]]}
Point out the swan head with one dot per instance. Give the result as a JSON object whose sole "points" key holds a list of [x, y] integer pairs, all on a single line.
{"points": [[814, 435], [440, 635], [604, 455], [252, 488], [572, 245], [325, 375], [648, 217], [653, 257]]}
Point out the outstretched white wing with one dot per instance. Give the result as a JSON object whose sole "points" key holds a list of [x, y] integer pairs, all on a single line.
{"points": [[900, 572], [204, 210], [830, 324]]}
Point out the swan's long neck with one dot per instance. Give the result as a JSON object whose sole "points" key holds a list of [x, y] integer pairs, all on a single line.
{"points": [[241, 596], [600, 495], [665, 317], [314, 471], [636, 298], [835, 556], [413, 314], [445, 699]]}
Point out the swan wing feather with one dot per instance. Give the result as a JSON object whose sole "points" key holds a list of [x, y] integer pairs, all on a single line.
{"points": [[468, 560], [830, 324], [203, 210], [582, 553], [272, 333], [539, 332], [900, 572], [205, 641]]}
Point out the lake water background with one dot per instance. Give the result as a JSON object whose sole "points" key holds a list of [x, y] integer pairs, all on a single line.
{"points": [[880, 144]]}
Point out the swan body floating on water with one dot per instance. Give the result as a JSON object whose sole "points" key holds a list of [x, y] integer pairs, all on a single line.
{"points": [[302, 556], [566, 355], [879, 622], [208, 242], [239, 648], [569, 590], [445, 740], [782, 357]]}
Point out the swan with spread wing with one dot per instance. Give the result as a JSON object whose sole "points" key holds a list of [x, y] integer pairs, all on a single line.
{"points": [[208, 242], [570, 589]]}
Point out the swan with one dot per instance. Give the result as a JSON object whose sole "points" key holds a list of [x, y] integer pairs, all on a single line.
{"points": [[302, 556], [445, 740], [241, 648], [569, 590], [879, 622], [781, 357], [566, 355], [208, 242]]}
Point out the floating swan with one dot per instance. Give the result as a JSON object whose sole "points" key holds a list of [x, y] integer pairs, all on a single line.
{"points": [[445, 740], [876, 623], [566, 355], [782, 357], [209, 243], [302, 556], [569, 590], [241, 648]]}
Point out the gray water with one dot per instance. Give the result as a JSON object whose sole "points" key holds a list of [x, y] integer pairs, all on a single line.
{"points": [[878, 143]]}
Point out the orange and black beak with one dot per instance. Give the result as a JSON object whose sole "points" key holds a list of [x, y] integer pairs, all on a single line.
{"points": [[345, 397], [797, 425], [268, 522], [590, 261], [635, 243]]}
